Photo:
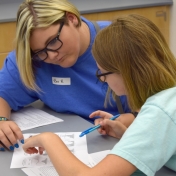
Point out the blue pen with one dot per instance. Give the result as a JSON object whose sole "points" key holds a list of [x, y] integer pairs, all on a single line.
{"points": [[96, 127]]}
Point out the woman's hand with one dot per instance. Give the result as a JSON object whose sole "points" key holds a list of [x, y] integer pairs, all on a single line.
{"points": [[9, 134]]}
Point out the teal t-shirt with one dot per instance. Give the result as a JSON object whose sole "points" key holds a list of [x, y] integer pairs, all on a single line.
{"points": [[150, 141]]}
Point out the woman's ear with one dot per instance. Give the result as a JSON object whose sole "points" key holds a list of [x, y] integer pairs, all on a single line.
{"points": [[72, 18]]}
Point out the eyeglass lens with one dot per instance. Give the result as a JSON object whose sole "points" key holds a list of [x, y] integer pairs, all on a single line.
{"points": [[54, 45]]}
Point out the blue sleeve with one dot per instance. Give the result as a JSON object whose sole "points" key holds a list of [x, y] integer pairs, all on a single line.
{"points": [[103, 24], [124, 103], [11, 87]]}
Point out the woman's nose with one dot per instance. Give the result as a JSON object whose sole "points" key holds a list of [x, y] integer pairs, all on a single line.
{"points": [[52, 54]]}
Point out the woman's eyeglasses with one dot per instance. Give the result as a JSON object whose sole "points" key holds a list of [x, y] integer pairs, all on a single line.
{"points": [[54, 45], [102, 76]]}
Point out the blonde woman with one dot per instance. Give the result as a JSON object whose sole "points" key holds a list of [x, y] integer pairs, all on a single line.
{"points": [[134, 59], [53, 63]]}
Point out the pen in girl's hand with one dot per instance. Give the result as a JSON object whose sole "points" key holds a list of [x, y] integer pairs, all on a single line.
{"points": [[96, 127]]}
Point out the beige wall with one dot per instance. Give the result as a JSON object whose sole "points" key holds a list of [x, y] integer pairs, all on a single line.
{"points": [[173, 28]]}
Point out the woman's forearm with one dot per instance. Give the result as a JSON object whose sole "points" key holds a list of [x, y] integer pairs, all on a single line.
{"points": [[4, 108]]}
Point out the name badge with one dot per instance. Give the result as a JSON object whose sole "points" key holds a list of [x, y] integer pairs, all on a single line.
{"points": [[61, 81]]}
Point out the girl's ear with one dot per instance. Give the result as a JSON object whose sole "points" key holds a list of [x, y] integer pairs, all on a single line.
{"points": [[72, 18]]}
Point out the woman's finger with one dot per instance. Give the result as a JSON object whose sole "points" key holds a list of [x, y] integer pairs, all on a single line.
{"points": [[8, 139], [17, 132], [2, 148]]}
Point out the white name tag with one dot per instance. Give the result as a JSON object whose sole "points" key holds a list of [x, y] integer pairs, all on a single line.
{"points": [[61, 81]]}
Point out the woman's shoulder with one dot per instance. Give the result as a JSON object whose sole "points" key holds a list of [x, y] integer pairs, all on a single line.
{"points": [[101, 24], [10, 59]]}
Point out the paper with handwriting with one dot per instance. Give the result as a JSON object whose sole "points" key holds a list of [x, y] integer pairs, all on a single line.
{"points": [[29, 117]]}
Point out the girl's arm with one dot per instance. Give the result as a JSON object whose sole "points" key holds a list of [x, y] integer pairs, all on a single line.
{"points": [[67, 164]]}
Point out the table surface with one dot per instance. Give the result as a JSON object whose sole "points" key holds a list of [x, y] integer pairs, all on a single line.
{"points": [[72, 123], [8, 8]]}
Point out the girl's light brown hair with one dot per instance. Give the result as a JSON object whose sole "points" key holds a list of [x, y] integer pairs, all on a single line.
{"points": [[135, 48], [34, 14]]}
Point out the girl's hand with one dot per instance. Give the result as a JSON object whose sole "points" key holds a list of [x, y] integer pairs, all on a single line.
{"points": [[121, 123], [103, 115], [113, 128], [126, 119], [36, 141]]}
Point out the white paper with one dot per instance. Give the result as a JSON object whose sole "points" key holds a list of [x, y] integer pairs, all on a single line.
{"points": [[95, 158], [77, 145], [30, 117], [41, 171]]}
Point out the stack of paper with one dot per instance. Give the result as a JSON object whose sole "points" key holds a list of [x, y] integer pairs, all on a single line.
{"points": [[40, 165]]}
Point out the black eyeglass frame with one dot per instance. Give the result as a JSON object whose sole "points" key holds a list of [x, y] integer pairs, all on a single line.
{"points": [[103, 74], [47, 49]]}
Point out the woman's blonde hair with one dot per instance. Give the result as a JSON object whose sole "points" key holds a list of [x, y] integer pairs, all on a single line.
{"points": [[135, 48], [34, 14]]}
